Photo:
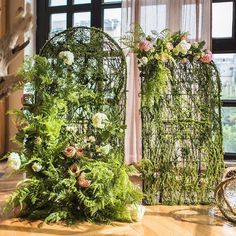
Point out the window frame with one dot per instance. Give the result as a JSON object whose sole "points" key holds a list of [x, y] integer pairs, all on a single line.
{"points": [[226, 45], [96, 7], [221, 46]]}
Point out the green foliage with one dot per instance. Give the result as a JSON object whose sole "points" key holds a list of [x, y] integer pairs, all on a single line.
{"points": [[91, 182], [181, 117], [155, 84]]}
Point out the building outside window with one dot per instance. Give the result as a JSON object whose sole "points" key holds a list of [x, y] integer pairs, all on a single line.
{"points": [[224, 49], [54, 16]]}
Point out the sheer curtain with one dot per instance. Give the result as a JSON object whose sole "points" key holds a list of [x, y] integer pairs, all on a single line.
{"points": [[193, 16]]}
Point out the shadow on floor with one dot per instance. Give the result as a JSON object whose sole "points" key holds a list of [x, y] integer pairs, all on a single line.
{"points": [[207, 216]]}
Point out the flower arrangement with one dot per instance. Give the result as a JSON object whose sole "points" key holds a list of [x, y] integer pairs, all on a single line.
{"points": [[71, 139], [180, 105], [165, 47], [156, 52]]}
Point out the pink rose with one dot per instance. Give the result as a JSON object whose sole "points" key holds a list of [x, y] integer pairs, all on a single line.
{"points": [[207, 58], [79, 152], [145, 45], [69, 151], [169, 46]]}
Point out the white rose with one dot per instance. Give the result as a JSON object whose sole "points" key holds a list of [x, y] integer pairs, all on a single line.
{"points": [[99, 120], [14, 161], [183, 47], [67, 57], [91, 139], [36, 167], [144, 60], [195, 44]]}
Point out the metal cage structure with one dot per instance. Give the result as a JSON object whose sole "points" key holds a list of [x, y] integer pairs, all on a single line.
{"points": [[100, 66], [182, 136]]}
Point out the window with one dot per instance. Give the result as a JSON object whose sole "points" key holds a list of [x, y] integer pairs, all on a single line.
{"points": [[54, 16], [224, 49], [223, 26]]}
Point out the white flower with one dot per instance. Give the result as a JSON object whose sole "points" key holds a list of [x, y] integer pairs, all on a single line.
{"points": [[14, 161], [144, 60], [104, 149], [71, 128], [67, 57], [183, 47], [195, 44], [137, 212], [91, 139], [36, 167], [99, 120]]}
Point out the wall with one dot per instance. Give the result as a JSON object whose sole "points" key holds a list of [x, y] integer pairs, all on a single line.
{"points": [[7, 126], [14, 100], [3, 102]]}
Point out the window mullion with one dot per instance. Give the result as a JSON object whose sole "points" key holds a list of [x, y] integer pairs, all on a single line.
{"points": [[69, 13], [96, 13]]}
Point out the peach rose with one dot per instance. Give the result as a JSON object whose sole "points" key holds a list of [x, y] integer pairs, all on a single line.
{"points": [[83, 182], [80, 152], [70, 151]]}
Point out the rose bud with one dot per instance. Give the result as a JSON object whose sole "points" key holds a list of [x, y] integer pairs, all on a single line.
{"points": [[74, 170], [84, 183], [184, 61], [70, 151], [80, 152], [169, 46]]}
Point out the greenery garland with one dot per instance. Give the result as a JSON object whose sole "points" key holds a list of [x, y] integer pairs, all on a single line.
{"points": [[181, 117], [71, 132]]}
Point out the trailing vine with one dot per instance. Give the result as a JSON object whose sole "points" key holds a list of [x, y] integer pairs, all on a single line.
{"points": [[181, 117]]}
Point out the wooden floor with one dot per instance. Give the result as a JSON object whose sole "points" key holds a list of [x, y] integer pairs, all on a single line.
{"points": [[158, 220]]}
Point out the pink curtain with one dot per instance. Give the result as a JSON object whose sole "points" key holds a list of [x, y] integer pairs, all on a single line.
{"points": [[193, 16]]}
